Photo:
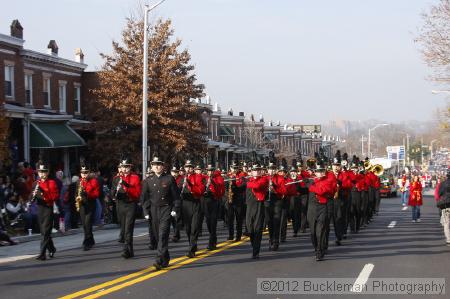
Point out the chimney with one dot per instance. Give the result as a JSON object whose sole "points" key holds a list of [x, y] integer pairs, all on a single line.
{"points": [[52, 48], [230, 112], [79, 55], [252, 118], [270, 124], [241, 113], [16, 29]]}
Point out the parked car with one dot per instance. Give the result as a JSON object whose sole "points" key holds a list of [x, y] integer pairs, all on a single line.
{"points": [[388, 188]]}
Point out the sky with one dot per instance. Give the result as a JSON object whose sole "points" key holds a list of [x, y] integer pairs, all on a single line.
{"points": [[297, 61]]}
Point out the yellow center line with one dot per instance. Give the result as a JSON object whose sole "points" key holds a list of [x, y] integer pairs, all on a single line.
{"points": [[139, 276], [172, 267]]}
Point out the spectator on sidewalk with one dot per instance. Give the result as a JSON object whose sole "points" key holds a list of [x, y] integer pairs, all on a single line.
{"points": [[444, 205], [404, 189], [415, 197]]}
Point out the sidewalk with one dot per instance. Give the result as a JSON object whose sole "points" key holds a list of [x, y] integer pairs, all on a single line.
{"points": [[30, 247]]}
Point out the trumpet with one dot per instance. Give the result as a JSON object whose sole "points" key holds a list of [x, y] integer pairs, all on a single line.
{"points": [[118, 186], [207, 186]]}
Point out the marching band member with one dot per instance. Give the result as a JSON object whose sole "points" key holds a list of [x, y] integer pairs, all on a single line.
{"points": [[45, 194], [235, 201], [88, 191], [191, 194], [355, 207], [256, 194], [214, 190], [277, 191], [161, 200], [127, 188]]}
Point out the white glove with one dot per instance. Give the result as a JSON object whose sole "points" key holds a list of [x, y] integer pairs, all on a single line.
{"points": [[55, 209], [173, 214], [147, 217]]}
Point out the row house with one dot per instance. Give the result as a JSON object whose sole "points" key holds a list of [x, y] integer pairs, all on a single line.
{"points": [[42, 97]]}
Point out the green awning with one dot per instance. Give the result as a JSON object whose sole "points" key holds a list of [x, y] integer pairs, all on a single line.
{"points": [[226, 131], [53, 134]]}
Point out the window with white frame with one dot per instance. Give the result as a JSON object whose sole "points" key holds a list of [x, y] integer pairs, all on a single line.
{"points": [[62, 96], [77, 99], [29, 88], [9, 81], [46, 92]]}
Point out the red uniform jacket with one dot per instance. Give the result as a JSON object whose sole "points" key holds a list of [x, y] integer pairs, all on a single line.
{"points": [[259, 187], [50, 191], [323, 188], [196, 185], [291, 190], [217, 186], [373, 180], [91, 187], [134, 189], [346, 183], [415, 194], [279, 186], [361, 183]]}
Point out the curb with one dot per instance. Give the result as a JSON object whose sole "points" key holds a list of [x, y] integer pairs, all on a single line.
{"points": [[34, 237]]}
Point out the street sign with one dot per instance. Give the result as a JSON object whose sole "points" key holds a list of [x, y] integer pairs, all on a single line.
{"points": [[396, 152]]}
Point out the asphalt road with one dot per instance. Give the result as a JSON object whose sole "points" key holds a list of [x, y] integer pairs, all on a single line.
{"points": [[391, 247]]}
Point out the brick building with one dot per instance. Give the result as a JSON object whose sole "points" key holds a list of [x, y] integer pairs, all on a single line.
{"points": [[42, 96]]}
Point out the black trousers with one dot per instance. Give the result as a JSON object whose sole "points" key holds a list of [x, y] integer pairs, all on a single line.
{"points": [[318, 224], [303, 212], [118, 220], [210, 208], [330, 215], [235, 211], [355, 211], [177, 223], [127, 216], [87, 214], [274, 212], [377, 200], [364, 207], [346, 211], [160, 218], [287, 213], [371, 203], [191, 211], [151, 232], [295, 206], [255, 223], [338, 216], [45, 218]]}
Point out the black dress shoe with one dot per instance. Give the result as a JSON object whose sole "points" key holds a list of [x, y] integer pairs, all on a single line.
{"points": [[295, 235], [190, 254], [152, 247], [338, 243], [319, 257], [255, 256], [126, 254], [275, 247], [175, 239], [238, 239], [230, 238], [52, 253], [41, 257], [121, 240], [283, 240], [157, 266], [86, 248]]}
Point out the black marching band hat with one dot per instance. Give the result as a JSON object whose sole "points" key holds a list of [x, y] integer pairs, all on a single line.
{"points": [[156, 161], [188, 163], [256, 166], [337, 158], [125, 162], [210, 168], [174, 169], [293, 169], [42, 168], [84, 169], [197, 167]]}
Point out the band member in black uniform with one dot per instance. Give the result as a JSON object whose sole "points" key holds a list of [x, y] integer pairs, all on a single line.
{"points": [[45, 194], [127, 189], [153, 244], [176, 221], [87, 192], [161, 199]]}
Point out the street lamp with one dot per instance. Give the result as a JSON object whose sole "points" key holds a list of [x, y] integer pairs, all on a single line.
{"points": [[145, 90], [368, 141]]}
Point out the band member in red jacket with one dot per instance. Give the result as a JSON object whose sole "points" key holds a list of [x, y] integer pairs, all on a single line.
{"points": [[321, 190], [45, 193], [277, 203], [293, 196], [364, 184], [354, 218], [214, 191], [193, 189], [372, 182], [256, 192], [127, 189], [88, 191], [415, 197], [234, 205]]}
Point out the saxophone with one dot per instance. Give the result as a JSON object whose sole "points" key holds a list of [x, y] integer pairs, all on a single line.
{"points": [[230, 193], [79, 199], [35, 191]]}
